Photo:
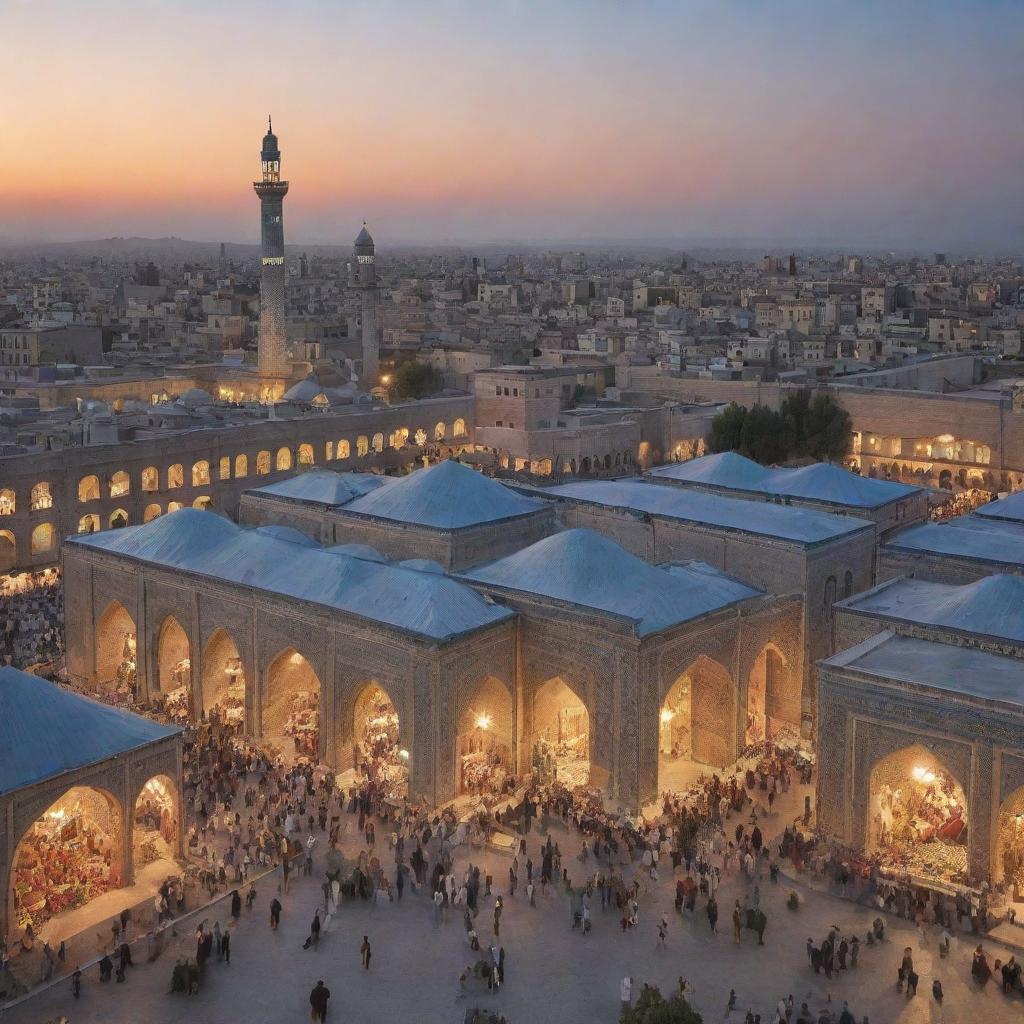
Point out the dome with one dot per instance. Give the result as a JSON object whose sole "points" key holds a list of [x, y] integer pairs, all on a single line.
{"points": [[364, 238], [195, 397]]}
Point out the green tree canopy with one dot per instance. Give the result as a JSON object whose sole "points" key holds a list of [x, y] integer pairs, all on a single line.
{"points": [[827, 429], [653, 1008], [416, 380], [727, 428]]}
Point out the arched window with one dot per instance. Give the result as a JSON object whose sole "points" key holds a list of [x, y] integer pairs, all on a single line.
{"points": [[173, 506], [848, 584], [241, 467], [284, 459], [329, 451], [305, 455], [439, 432], [120, 484], [224, 467], [152, 512], [829, 599], [204, 502], [342, 451], [399, 438], [421, 437], [200, 473], [378, 442], [42, 497], [175, 476], [150, 479], [89, 523], [362, 446], [7, 502], [459, 428], [262, 464], [42, 538], [118, 518], [89, 489]]}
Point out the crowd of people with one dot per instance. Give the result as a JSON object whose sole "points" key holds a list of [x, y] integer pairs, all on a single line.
{"points": [[32, 623]]}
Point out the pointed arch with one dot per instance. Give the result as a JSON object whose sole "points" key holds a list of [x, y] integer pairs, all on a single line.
{"points": [[173, 658], [700, 707], [562, 735], [483, 746], [283, 459], [291, 706], [114, 649], [223, 677]]}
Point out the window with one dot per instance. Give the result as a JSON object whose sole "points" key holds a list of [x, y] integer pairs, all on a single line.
{"points": [[175, 476], [342, 451], [173, 506], [89, 488], [421, 437], [120, 484], [362, 446], [224, 467], [263, 463], [459, 428], [200, 473], [378, 442], [42, 538], [439, 432], [204, 502], [848, 584], [284, 459], [41, 497], [829, 600], [241, 466], [150, 479], [305, 455], [118, 518], [329, 451], [89, 523], [7, 502], [152, 512]]}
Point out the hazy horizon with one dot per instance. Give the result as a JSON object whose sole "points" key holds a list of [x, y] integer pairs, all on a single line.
{"points": [[676, 125]]}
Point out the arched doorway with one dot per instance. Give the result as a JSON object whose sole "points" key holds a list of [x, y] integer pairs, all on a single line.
{"points": [[174, 669], [223, 680], [766, 697], [8, 551], [115, 651], [560, 744], [917, 815], [1009, 853], [155, 830], [67, 857], [376, 737], [483, 746], [696, 722], [291, 712]]}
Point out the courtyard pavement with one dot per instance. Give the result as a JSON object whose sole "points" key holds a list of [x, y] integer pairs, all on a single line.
{"points": [[552, 973]]}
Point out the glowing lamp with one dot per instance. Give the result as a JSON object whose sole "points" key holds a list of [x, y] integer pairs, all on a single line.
{"points": [[667, 715], [404, 755], [483, 721]]}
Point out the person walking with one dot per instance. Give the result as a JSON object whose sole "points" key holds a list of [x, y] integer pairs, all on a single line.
{"points": [[314, 931], [712, 912], [737, 923], [365, 952], [225, 945], [318, 1001], [626, 992], [275, 913], [236, 905]]}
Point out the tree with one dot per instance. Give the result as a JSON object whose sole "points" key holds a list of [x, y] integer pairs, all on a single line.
{"points": [[763, 437], [794, 415], [653, 1008], [827, 429], [416, 380], [726, 428]]}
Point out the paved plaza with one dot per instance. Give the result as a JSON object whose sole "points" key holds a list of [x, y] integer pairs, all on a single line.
{"points": [[552, 972]]}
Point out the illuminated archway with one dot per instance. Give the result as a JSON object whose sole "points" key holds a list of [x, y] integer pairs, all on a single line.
{"points": [[89, 523], [8, 502], [342, 450], [150, 479], [70, 855], [767, 693], [483, 747], [283, 460], [42, 538], [120, 484], [115, 648], [41, 497], [305, 455], [459, 428], [291, 712], [152, 512], [89, 488], [918, 815], [204, 502], [200, 473], [155, 829], [8, 551], [223, 679], [1009, 847], [376, 750], [560, 743], [241, 467], [262, 464], [175, 476], [439, 431], [174, 669], [118, 519]]}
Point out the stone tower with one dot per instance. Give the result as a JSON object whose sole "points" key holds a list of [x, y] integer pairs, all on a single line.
{"points": [[272, 357], [364, 279]]}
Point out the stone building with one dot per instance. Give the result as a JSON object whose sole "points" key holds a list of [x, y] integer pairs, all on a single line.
{"points": [[927, 701], [57, 749], [778, 549], [528, 646], [821, 486]]}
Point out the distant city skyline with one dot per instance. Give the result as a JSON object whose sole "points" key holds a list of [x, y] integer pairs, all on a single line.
{"points": [[875, 125]]}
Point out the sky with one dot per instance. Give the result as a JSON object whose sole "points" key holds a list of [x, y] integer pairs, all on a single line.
{"points": [[892, 124]]}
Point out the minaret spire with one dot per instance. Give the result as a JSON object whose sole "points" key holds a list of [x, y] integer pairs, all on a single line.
{"points": [[272, 355]]}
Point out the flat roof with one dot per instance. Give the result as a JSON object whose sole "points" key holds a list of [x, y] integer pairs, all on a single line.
{"points": [[1010, 508], [821, 481], [961, 670], [783, 522], [997, 541]]}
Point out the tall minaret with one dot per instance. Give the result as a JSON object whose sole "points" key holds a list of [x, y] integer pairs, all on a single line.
{"points": [[273, 361], [365, 280]]}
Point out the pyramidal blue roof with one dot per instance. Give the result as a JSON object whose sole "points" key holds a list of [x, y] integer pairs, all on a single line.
{"points": [[993, 605], [820, 481], [583, 568], [324, 487], [993, 540], [445, 496], [801, 525], [424, 603], [46, 730], [1010, 508]]}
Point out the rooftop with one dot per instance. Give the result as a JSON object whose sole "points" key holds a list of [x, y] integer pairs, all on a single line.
{"points": [[585, 569], [962, 670], [445, 496], [820, 481], [46, 730], [800, 525], [998, 541], [1010, 508], [324, 487], [992, 606], [424, 603]]}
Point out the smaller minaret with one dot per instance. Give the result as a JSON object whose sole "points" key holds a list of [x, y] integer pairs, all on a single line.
{"points": [[272, 348], [365, 280]]}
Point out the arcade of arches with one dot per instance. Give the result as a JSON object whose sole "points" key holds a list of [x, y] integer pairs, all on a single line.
{"points": [[561, 741], [377, 753], [223, 679], [291, 712], [917, 816]]}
